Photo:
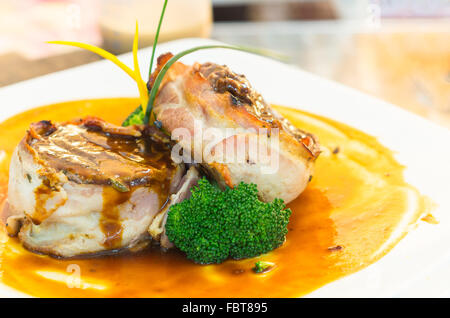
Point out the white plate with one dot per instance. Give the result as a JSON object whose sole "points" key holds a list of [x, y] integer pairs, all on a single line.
{"points": [[418, 266]]}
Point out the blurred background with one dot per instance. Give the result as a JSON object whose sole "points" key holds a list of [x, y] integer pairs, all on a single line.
{"points": [[397, 50]]}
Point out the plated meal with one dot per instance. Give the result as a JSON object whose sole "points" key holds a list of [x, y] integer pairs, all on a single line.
{"points": [[198, 188]]}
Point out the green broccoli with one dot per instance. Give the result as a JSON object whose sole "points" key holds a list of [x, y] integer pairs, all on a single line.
{"points": [[135, 118], [214, 225], [263, 267]]}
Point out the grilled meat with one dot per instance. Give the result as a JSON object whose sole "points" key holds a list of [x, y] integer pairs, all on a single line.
{"points": [[87, 186], [264, 148]]}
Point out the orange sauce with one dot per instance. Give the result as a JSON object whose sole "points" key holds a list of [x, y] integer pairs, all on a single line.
{"points": [[355, 209]]}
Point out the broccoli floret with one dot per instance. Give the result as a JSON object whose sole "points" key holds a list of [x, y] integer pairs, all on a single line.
{"points": [[263, 267], [214, 225], [135, 118]]}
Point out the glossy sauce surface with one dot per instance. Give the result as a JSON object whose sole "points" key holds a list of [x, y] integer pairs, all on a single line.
{"points": [[91, 156], [355, 209]]}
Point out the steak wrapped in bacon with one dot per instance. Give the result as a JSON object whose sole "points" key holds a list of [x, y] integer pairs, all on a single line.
{"points": [[87, 186], [263, 148]]}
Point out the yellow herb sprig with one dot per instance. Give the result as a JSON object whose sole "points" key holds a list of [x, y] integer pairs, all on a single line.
{"points": [[134, 74]]}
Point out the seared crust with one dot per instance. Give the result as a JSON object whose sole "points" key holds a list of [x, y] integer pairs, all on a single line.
{"points": [[236, 98], [241, 93], [92, 151], [250, 104]]}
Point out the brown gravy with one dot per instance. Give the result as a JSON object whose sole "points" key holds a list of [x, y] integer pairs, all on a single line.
{"points": [[355, 209], [90, 155], [110, 220]]}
